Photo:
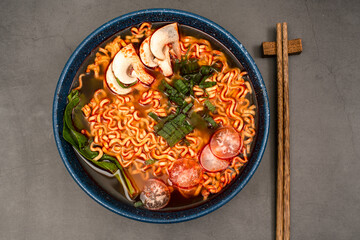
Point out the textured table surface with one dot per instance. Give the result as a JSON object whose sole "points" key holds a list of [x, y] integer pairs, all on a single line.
{"points": [[39, 199]]}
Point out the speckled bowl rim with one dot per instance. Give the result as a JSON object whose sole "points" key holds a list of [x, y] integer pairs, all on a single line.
{"points": [[98, 36]]}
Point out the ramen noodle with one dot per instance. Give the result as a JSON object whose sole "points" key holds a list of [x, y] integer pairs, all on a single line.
{"points": [[166, 108]]}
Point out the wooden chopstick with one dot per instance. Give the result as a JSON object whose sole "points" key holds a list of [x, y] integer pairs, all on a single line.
{"points": [[280, 162], [282, 48], [286, 134]]}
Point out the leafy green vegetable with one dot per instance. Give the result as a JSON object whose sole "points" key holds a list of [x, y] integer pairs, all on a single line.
{"points": [[82, 144]]}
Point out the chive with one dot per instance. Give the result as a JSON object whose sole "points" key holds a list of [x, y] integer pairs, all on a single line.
{"points": [[187, 53], [197, 78], [138, 204], [217, 66], [173, 94], [150, 161], [180, 118], [125, 85], [188, 127], [179, 135], [209, 106], [191, 87], [175, 129], [177, 65], [163, 134], [187, 107], [181, 86], [154, 116], [211, 121], [207, 84], [169, 128], [189, 66], [185, 142], [206, 70]]}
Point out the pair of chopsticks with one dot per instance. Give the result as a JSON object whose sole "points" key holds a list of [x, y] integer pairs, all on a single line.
{"points": [[283, 170], [282, 48]]}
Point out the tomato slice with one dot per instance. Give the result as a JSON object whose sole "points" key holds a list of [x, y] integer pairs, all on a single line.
{"points": [[185, 173], [155, 194], [210, 162], [226, 143]]}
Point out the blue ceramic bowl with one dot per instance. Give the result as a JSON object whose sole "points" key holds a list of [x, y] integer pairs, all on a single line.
{"points": [[98, 36]]}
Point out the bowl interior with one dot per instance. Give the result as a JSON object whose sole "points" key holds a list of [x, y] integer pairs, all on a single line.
{"points": [[107, 30]]}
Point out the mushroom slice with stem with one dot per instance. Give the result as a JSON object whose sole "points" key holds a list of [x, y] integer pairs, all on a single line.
{"points": [[113, 84], [128, 68], [165, 65], [146, 55], [149, 59], [162, 37]]}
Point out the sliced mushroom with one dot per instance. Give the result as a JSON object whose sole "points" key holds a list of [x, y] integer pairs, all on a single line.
{"points": [[146, 55], [149, 59], [165, 65], [162, 37], [112, 83], [127, 67]]}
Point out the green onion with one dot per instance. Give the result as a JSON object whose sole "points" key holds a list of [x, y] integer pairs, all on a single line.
{"points": [[207, 84], [138, 204], [187, 108], [175, 129], [210, 106], [177, 65], [154, 116], [125, 85], [150, 161], [206, 70], [181, 86], [211, 121], [185, 142]]}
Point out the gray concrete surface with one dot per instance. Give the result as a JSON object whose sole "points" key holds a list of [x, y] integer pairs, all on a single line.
{"points": [[39, 199]]}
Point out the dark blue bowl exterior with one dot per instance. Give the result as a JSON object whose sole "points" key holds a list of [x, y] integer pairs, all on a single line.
{"points": [[102, 33]]}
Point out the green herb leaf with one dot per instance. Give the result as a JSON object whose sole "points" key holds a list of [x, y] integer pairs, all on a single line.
{"points": [[125, 85]]}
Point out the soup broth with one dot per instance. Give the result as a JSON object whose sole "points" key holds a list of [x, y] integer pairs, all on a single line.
{"points": [[190, 169]]}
